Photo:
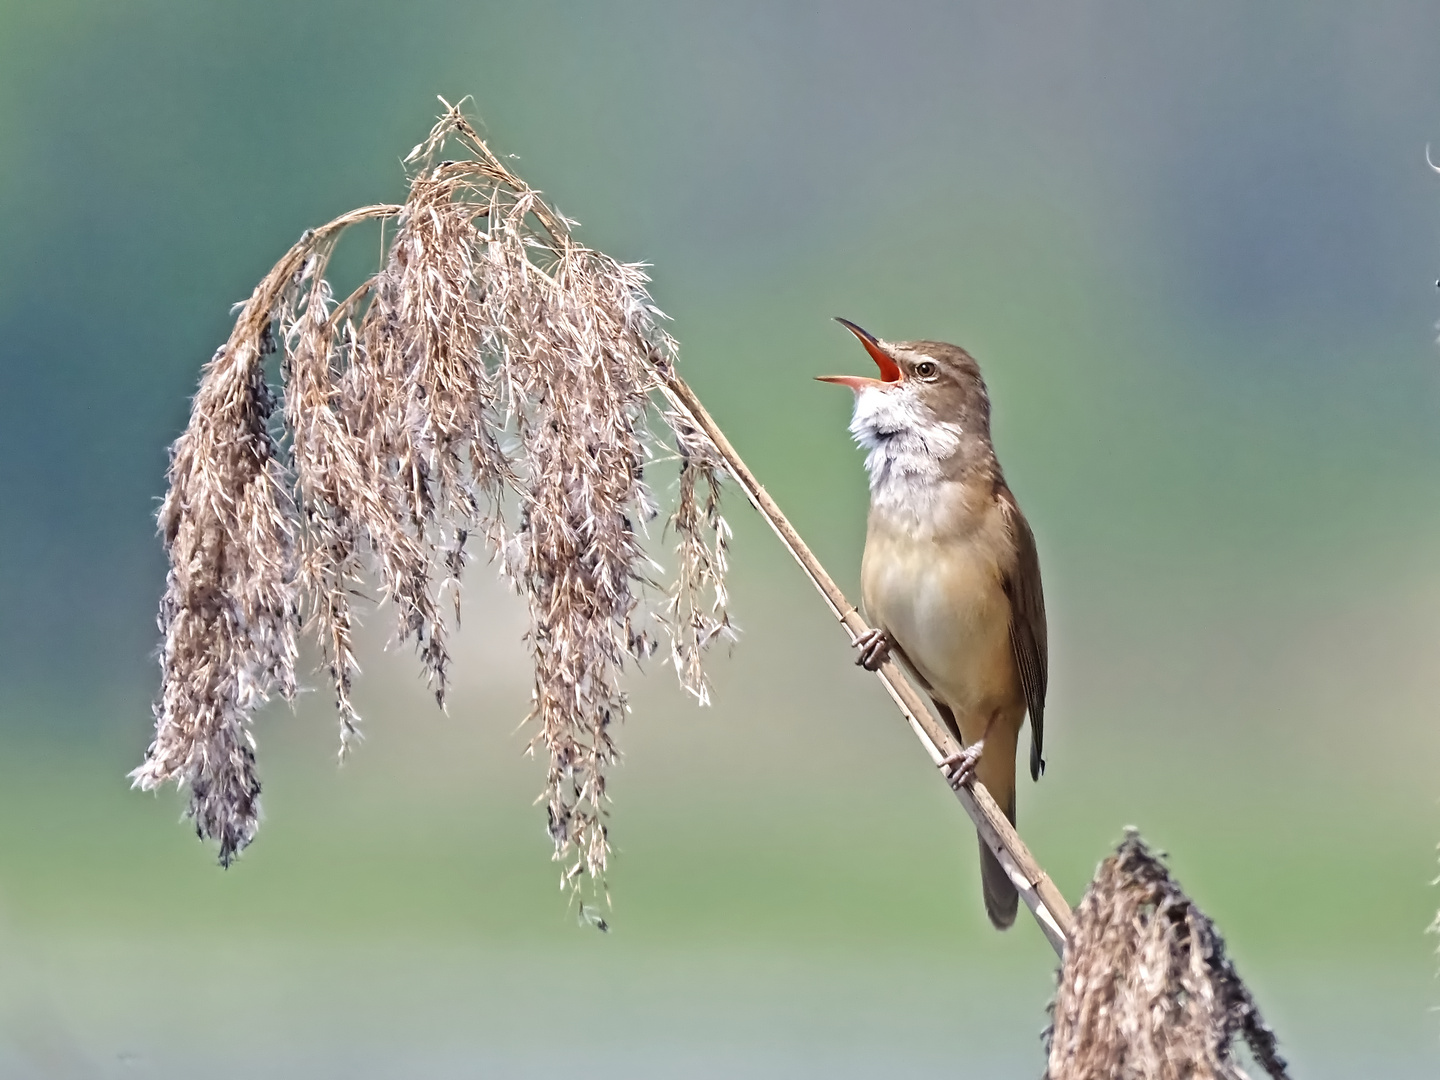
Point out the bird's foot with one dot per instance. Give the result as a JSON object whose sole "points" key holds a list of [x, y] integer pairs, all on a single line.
{"points": [[874, 646], [959, 769]]}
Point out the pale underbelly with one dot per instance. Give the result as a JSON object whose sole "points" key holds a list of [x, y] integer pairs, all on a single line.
{"points": [[946, 608]]}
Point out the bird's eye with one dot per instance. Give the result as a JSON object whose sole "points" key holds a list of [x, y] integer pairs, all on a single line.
{"points": [[927, 369]]}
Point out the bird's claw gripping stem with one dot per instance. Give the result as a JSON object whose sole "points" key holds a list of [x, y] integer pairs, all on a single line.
{"points": [[959, 769], [874, 646]]}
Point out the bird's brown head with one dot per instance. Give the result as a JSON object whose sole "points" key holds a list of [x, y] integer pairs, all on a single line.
{"points": [[922, 385]]}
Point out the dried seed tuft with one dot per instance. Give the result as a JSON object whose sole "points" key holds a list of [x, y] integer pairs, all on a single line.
{"points": [[1146, 989], [493, 379]]}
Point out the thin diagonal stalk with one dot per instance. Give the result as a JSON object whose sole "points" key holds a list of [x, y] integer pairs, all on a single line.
{"points": [[1039, 893]]}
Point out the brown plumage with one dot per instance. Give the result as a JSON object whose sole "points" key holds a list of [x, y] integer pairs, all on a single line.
{"points": [[950, 577]]}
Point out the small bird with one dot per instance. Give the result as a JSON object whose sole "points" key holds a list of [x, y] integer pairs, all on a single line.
{"points": [[950, 578]]}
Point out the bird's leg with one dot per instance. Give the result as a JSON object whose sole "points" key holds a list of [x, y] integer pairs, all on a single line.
{"points": [[874, 646], [959, 769]]}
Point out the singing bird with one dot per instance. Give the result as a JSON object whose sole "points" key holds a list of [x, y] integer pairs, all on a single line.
{"points": [[950, 578]]}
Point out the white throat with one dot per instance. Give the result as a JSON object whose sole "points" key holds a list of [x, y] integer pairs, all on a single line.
{"points": [[907, 446]]}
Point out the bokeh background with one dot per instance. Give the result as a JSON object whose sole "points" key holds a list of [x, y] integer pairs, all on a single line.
{"points": [[1195, 249]]}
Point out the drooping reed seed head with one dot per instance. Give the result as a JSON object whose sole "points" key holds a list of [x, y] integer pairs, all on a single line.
{"points": [[494, 380]]}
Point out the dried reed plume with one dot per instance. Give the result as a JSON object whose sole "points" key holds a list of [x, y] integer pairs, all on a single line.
{"points": [[493, 379], [1146, 990]]}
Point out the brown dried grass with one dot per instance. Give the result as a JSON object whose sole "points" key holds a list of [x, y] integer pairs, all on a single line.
{"points": [[1146, 991], [493, 379]]}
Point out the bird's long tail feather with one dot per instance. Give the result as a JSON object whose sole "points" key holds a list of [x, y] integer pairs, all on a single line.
{"points": [[1001, 899]]}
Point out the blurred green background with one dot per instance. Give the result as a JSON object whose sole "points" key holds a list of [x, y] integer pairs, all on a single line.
{"points": [[1194, 248]]}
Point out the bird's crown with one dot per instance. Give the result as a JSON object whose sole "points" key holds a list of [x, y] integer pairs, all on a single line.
{"points": [[944, 378]]}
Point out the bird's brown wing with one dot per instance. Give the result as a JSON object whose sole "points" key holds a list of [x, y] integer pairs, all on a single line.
{"points": [[1027, 624]]}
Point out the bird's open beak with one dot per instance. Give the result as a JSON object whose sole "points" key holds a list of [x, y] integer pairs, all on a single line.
{"points": [[889, 370]]}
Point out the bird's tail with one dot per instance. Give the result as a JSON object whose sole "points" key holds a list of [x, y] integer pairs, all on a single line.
{"points": [[1001, 899]]}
